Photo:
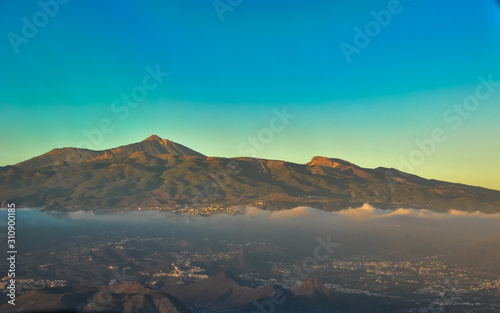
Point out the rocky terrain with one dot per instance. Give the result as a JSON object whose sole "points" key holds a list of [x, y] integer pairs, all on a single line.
{"points": [[160, 174]]}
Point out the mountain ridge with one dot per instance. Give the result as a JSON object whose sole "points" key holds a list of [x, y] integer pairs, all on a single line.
{"points": [[216, 294], [153, 145], [158, 173]]}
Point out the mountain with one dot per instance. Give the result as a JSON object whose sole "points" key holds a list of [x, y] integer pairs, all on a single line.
{"points": [[51, 300], [152, 146], [220, 293], [225, 292], [132, 298], [311, 286], [157, 173], [123, 298]]}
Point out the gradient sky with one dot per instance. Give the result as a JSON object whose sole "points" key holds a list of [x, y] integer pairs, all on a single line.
{"points": [[226, 78]]}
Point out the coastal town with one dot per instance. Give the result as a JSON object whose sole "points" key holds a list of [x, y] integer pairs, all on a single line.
{"points": [[165, 261]]}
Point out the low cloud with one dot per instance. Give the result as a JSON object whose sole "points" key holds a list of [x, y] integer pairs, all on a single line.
{"points": [[369, 212], [298, 212], [364, 213], [305, 217], [365, 229], [82, 215]]}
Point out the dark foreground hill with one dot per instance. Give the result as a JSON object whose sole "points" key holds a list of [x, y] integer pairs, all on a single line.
{"points": [[158, 173], [220, 293]]}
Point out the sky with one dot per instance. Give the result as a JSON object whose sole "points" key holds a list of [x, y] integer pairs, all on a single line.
{"points": [[413, 85]]}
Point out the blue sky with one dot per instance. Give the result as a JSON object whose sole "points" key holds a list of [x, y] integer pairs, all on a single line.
{"points": [[227, 77]]}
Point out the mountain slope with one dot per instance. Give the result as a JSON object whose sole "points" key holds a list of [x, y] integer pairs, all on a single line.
{"points": [[124, 298], [219, 293], [163, 174], [152, 146]]}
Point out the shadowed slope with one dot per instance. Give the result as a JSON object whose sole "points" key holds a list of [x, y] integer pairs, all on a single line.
{"points": [[160, 173]]}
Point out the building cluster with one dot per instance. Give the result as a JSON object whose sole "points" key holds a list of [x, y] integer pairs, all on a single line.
{"points": [[194, 272], [26, 284]]}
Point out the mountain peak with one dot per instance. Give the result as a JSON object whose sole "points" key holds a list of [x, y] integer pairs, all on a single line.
{"points": [[228, 278], [330, 162], [153, 137], [154, 145], [312, 285], [341, 165]]}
